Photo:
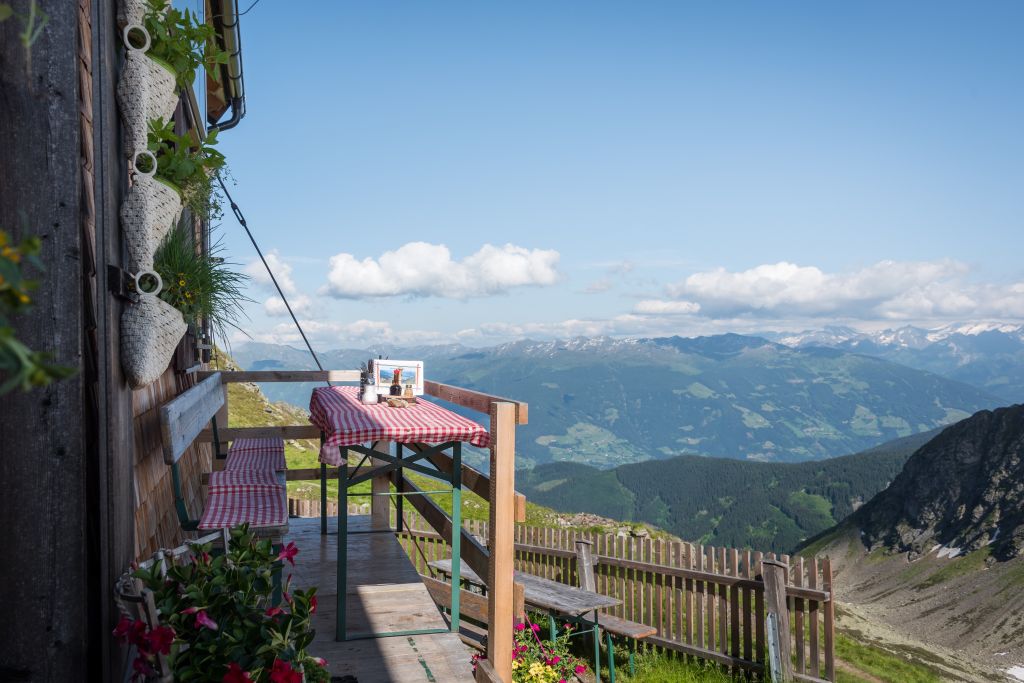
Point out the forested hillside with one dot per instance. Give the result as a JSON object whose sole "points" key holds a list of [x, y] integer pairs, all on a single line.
{"points": [[767, 506]]}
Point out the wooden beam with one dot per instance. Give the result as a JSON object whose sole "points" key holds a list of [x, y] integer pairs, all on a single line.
{"points": [[472, 605], [776, 609], [183, 418], [287, 375], [475, 400], [285, 432], [476, 481], [474, 554], [380, 486], [501, 568]]}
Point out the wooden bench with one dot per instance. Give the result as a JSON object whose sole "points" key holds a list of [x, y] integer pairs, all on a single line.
{"points": [[611, 625], [245, 494]]}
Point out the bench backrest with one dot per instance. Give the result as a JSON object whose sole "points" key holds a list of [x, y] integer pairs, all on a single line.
{"points": [[183, 418]]}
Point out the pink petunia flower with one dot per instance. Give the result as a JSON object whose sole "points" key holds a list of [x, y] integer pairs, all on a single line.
{"points": [[288, 553], [580, 669], [282, 672], [312, 605], [520, 626], [203, 620], [160, 639], [535, 627], [235, 674], [273, 611]]}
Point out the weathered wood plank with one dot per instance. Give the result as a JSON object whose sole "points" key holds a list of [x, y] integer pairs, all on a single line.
{"points": [[287, 376], [471, 605], [474, 400], [502, 518], [285, 432], [183, 418]]}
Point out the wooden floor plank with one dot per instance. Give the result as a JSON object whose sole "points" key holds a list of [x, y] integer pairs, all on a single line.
{"points": [[384, 594]]}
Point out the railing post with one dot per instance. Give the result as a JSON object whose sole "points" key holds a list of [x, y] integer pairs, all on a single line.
{"points": [[779, 648], [380, 503], [501, 605]]}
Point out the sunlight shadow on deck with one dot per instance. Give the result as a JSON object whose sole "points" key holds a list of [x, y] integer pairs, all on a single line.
{"points": [[384, 594]]}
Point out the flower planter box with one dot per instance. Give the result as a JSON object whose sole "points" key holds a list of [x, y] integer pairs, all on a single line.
{"points": [[150, 331], [147, 90]]}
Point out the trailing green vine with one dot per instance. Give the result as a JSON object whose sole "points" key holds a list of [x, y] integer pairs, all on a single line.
{"points": [[189, 167], [20, 366], [183, 42]]}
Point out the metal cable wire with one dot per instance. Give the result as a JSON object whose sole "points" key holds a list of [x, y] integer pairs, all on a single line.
{"points": [[241, 221]]}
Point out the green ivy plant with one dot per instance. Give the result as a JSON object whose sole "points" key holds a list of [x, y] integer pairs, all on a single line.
{"points": [[20, 366], [182, 42], [201, 286], [218, 621], [189, 167]]}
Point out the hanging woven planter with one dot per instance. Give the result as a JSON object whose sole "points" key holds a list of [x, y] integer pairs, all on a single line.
{"points": [[150, 332], [150, 209], [146, 90], [131, 11]]}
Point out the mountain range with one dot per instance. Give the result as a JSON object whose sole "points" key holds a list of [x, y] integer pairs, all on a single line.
{"points": [[606, 402], [989, 356]]}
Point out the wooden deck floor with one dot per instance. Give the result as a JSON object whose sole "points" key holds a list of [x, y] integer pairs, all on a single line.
{"points": [[384, 594]]}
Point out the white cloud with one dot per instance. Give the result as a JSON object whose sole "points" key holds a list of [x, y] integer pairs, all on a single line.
{"points": [[282, 271], [662, 307], [887, 290], [301, 305], [423, 269], [358, 334]]}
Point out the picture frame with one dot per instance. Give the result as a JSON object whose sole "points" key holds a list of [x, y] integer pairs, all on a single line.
{"points": [[411, 373]]}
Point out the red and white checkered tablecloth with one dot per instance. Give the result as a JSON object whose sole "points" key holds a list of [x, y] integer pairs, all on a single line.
{"points": [[239, 481], [346, 421]]}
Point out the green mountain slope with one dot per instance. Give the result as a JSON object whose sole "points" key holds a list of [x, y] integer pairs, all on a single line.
{"points": [[607, 402], [767, 506]]}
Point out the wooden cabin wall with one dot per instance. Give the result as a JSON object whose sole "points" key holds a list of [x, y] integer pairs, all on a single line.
{"points": [[156, 521]]}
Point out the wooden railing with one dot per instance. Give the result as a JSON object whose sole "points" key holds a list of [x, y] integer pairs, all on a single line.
{"points": [[705, 601], [494, 559]]}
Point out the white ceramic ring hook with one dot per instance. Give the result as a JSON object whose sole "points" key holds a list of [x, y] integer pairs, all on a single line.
{"points": [[126, 32], [152, 163], [152, 273]]}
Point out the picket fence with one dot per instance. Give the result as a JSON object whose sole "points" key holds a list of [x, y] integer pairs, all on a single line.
{"points": [[705, 601]]}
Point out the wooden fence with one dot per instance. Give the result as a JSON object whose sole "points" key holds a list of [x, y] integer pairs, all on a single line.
{"points": [[705, 601]]}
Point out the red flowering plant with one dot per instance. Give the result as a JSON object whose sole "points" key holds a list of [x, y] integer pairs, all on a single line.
{"points": [[535, 660], [218, 622]]}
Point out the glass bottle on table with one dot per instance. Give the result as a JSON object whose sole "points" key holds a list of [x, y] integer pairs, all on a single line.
{"points": [[396, 383]]}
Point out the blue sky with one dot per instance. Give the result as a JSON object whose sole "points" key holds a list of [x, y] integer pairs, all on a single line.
{"points": [[658, 168]]}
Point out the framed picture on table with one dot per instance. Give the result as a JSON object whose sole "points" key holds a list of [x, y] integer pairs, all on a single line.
{"points": [[408, 372]]}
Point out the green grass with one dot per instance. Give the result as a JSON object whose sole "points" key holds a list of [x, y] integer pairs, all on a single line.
{"points": [[958, 566], [654, 667], [880, 663]]}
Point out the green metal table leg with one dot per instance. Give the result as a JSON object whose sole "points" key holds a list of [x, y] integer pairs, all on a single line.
{"points": [[632, 664], [456, 532], [342, 572], [323, 492], [597, 653], [552, 629], [400, 499], [611, 656]]}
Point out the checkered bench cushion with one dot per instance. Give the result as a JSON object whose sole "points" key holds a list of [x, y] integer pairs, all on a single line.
{"points": [[237, 481], [256, 454], [260, 508]]}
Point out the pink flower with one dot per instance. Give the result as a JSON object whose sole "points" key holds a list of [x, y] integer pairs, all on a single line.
{"points": [[203, 620], [235, 674], [273, 611], [124, 626], [580, 669], [190, 610], [312, 604], [282, 672], [555, 660], [520, 626], [142, 667], [288, 553], [535, 627], [320, 661], [160, 639]]}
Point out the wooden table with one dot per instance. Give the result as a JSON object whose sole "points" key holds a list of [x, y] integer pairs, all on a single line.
{"points": [[553, 598], [346, 424]]}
